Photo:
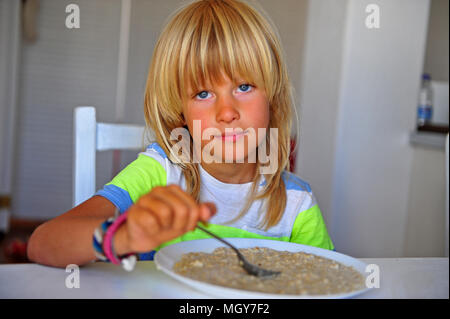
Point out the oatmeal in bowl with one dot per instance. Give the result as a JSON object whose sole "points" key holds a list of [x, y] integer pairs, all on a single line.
{"points": [[301, 273], [306, 272]]}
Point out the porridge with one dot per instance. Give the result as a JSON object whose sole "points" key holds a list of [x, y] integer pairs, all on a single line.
{"points": [[301, 273]]}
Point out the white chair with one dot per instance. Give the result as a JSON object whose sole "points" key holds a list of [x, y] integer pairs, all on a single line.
{"points": [[91, 136]]}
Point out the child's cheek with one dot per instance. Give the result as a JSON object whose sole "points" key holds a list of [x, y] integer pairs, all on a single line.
{"points": [[198, 123], [263, 120], [260, 115]]}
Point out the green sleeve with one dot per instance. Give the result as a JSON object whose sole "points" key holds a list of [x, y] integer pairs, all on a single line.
{"points": [[140, 176], [310, 229]]}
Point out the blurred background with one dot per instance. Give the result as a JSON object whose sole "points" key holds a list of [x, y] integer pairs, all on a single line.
{"points": [[380, 180]]}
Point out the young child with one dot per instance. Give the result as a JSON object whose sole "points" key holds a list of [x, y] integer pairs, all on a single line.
{"points": [[218, 74]]}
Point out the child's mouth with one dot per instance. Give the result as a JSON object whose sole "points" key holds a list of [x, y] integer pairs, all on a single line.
{"points": [[231, 137]]}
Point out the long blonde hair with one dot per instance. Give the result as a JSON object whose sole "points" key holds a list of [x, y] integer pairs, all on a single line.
{"points": [[201, 40]]}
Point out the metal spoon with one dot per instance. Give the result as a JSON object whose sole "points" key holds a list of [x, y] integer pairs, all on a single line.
{"points": [[249, 268]]}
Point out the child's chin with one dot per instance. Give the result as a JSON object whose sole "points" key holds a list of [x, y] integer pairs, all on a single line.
{"points": [[234, 159], [240, 157], [231, 159]]}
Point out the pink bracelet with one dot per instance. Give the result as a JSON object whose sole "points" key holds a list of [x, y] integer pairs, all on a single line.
{"points": [[108, 240]]}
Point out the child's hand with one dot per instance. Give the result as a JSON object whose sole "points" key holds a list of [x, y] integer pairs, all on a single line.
{"points": [[161, 215]]}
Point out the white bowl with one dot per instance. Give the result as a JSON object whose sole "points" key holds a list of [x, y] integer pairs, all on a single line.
{"points": [[169, 255]]}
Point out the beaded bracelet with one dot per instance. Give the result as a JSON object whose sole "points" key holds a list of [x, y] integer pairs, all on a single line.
{"points": [[104, 247], [97, 241]]}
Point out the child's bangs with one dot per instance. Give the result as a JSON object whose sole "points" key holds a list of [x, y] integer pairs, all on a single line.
{"points": [[221, 42]]}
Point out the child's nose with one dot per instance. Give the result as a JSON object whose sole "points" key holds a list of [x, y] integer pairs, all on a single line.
{"points": [[227, 110]]}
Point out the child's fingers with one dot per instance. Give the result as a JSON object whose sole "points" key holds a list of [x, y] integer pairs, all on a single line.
{"points": [[202, 212], [207, 210], [194, 209], [173, 211], [159, 208], [180, 208], [139, 218], [192, 219]]}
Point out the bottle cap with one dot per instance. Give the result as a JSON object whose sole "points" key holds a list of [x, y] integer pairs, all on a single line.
{"points": [[426, 76]]}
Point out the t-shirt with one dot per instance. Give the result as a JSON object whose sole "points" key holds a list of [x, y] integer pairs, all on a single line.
{"points": [[301, 221]]}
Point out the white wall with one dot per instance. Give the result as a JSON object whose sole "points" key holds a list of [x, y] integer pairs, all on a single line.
{"points": [[379, 90], [319, 98], [62, 69], [290, 21], [426, 222], [360, 90]]}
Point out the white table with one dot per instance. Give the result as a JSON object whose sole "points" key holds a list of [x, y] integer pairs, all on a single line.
{"points": [[399, 278]]}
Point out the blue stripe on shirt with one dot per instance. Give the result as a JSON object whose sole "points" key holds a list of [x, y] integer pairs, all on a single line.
{"points": [[156, 147], [294, 182], [118, 196]]}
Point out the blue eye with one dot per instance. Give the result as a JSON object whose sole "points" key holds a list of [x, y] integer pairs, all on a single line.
{"points": [[203, 95], [245, 87]]}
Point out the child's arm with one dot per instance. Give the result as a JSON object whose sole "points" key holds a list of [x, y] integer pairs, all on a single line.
{"points": [[67, 239], [161, 215]]}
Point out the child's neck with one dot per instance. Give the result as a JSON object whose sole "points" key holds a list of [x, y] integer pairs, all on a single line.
{"points": [[231, 173]]}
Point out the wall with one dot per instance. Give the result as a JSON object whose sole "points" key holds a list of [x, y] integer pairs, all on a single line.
{"points": [[378, 98], [64, 68], [380, 196], [426, 206], [9, 47], [319, 98], [290, 20], [425, 224], [436, 57], [360, 94]]}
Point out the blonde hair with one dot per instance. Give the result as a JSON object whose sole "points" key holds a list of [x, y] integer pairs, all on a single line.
{"points": [[201, 40]]}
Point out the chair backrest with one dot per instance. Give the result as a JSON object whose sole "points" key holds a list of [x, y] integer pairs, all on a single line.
{"points": [[91, 136]]}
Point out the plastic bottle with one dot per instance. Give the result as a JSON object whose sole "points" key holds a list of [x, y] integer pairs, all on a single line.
{"points": [[425, 107]]}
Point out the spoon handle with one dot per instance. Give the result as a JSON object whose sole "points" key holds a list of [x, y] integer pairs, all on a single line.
{"points": [[221, 239]]}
